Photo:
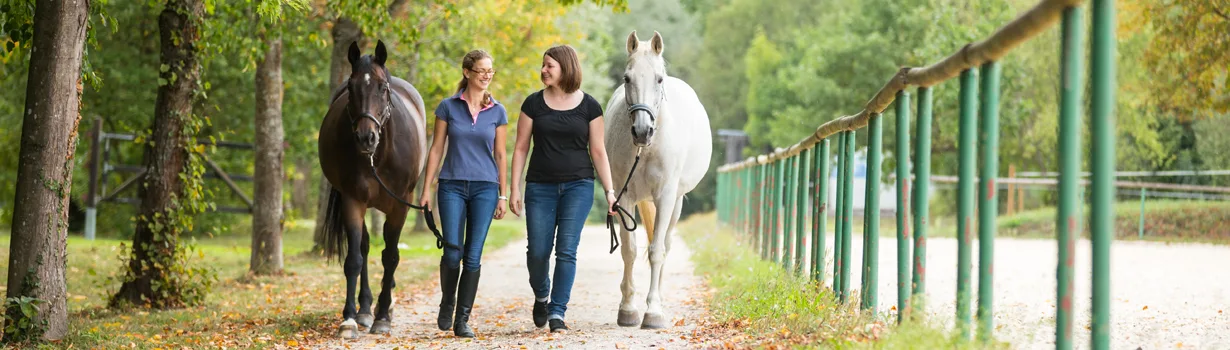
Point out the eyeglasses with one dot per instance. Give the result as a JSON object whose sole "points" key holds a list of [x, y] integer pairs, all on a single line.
{"points": [[483, 72]]}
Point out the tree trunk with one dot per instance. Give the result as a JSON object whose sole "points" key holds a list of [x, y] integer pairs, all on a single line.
{"points": [[345, 31], [165, 159], [48, 139], [299, 188], [267, 214]]}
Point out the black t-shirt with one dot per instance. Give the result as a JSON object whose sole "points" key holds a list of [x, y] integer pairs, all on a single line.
{"points": [[561, 140]]}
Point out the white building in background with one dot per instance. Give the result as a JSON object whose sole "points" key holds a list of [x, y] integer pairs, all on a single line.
{"points": [[888, 190]]}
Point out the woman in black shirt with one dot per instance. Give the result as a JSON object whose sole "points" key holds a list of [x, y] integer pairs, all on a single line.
{"points": [[566, 127]]}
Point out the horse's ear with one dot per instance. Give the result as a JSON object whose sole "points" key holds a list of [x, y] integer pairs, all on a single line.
{"points": [[633, 42], [353, 54], [656, 42], [381, 53]]}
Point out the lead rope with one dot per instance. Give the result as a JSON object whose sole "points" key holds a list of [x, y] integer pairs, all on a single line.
{"points": [[431, 220], [624, 215]]}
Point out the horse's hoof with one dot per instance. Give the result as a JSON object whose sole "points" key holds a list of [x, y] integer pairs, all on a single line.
{"points": [[365, 320], [654, 321], [348, 330], [629, 318], [381, 327]]}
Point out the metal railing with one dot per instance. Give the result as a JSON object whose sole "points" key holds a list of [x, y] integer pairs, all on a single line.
{"points": [[779, 199]]}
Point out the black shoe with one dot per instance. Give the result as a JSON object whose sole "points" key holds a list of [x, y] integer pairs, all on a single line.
{"points": [[557, 325], [540, 313], [448, 287], [466, 290]]}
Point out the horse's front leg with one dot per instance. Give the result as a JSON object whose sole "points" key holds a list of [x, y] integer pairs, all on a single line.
{"points": [[352, 216], [365, 317], [389, 258], [629, 313], [668, 212]]}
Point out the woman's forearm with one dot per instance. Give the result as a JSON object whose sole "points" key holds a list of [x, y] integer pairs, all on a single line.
{"points": [[603, 166], [434, 155]]}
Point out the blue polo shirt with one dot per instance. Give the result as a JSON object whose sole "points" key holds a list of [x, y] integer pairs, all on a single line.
{"points": [[471, 139]]}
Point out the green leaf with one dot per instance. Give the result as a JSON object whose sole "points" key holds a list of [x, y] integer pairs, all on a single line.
{"points": [[28, 310], [8, 46], [164, 67]]}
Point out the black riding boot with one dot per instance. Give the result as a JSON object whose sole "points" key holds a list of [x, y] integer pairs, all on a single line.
{"points": [[448, 286], [466, 290]]}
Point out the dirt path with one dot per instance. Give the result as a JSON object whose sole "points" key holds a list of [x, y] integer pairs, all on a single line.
{"points": [[1162, 295], [502, 308]]}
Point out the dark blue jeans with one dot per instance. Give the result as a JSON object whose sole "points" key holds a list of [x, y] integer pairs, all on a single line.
{"points": [[465, 206], [554, 216]]}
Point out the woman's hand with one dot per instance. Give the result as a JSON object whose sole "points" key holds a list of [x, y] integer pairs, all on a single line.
{"points": [[425, 200], [500, 209], [610, 203], [517, 205]]}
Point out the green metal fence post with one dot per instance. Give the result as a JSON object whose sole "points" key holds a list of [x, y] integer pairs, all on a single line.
{"points": [[804, 219], [820, 212], [1102, 141], [839, 215], [871, 214], [922, 184], [779, 208], [1141, 233], [1069, 209], [788, 211], [965, 193], [847, 228], [763, 216], [902, 155], [987, 201]]}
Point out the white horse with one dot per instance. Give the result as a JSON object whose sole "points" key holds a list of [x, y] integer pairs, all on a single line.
{"points": [[661, 116]]}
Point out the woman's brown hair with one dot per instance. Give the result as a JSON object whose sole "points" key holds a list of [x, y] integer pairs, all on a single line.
{"points": [[569, 67], [468, 63]]}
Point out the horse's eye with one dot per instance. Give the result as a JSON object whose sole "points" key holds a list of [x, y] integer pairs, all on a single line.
{"points": [[659, 79], [627, 80]]}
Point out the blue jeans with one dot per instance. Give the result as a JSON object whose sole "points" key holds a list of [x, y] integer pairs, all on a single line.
{"points": [[465, 206], [554, 216]]}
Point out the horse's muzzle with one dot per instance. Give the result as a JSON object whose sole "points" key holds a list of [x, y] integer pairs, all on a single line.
{"points": [[642, 135], [367, 141]]}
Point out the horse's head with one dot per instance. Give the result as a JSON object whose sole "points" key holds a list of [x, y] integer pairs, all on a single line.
{"points": [[644, 87], [370, 102]]}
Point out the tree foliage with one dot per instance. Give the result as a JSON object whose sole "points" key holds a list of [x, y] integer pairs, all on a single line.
{"points": [[1188, 54]]}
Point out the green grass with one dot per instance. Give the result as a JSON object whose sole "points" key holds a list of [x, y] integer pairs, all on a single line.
{"points": [[300, 307], [772, 308]]}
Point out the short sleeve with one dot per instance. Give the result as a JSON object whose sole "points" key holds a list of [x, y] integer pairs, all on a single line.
{"points": [[503, 116], [442, 111], [595, 108], [530, 105]]}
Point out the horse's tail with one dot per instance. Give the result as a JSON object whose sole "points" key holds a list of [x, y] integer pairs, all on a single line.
{"points": [[334, 230]]}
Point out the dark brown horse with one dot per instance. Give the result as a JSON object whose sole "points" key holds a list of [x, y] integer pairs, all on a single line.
{"points": [[375, 121]]}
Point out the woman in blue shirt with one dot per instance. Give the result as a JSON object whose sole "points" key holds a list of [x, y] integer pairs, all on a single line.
{"points": [[472, 186]]}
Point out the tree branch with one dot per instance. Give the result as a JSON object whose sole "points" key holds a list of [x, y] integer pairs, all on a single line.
{"points": [[1219, 13]]}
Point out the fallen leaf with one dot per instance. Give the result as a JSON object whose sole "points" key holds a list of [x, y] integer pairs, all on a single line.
{"points": [[295, 343], [617, 346], [679, 323], [1145, 308]]}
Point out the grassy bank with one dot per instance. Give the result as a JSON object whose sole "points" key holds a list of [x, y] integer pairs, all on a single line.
{"points": [[1165, 221], [298, 308], [768, 307]]}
